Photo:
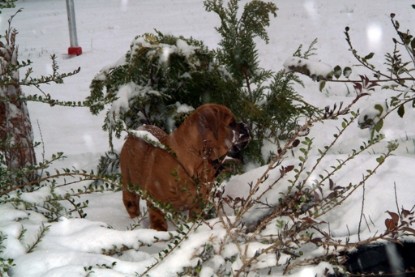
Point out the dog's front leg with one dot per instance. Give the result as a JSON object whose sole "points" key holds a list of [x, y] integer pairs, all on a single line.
{"points": [[199, 207], [157, 220], [131, 202]]}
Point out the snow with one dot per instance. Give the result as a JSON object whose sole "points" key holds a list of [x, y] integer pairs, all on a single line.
{"points": [[183, 108], [126, 93], [148, 137], [185, 48], [76, 242], [371, 115], [148, 41], [105, 32], [314, 69]]}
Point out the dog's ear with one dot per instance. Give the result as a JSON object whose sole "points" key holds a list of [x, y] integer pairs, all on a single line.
{"points": [[209, 122]]}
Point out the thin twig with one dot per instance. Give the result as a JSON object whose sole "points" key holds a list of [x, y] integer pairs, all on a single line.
{"points": [[361, 211]]}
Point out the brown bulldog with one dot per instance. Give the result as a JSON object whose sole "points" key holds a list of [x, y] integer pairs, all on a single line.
{"points": [[177, 170]]}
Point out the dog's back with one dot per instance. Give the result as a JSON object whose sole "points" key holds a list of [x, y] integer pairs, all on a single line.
{"points": [[158, 174]]}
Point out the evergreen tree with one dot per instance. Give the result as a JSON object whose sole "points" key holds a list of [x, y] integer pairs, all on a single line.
{"points": [[159, 81]]}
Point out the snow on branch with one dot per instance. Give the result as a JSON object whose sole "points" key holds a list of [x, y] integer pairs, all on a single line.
{"points": [[147, 137], [126, 93], [315, 69], [181, 47]]}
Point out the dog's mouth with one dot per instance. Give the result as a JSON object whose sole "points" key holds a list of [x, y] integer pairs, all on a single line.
{"points": [[241, 138]]}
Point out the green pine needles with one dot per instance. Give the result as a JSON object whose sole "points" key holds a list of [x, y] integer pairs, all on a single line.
{"points": [[160, 74], [238, 49]]}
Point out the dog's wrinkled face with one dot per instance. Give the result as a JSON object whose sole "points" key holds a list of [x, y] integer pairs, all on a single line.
{"points": [[224, 135]]}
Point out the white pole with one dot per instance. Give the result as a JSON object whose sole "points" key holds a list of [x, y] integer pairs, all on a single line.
{"points": [[74, 48]]}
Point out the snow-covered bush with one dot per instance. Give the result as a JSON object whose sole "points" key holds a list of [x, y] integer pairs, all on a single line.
{"points": [[159, 75], [163, 77]]}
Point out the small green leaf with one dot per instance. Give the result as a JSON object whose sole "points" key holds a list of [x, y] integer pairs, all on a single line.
{"points": [[347, 71], [380, 159], [401, 111], [322, 85], [337, 71], [378, 126], [379, 108], [406, 38], [369, 56]]}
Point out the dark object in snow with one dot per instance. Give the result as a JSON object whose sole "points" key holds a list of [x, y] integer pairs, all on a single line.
{"points": [[390, 259]]}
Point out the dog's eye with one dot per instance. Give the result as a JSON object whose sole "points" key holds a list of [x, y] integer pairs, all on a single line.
{"points": [[232, 124]]}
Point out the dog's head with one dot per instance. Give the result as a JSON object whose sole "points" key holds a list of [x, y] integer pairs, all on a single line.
{"points": [[220, 131]]}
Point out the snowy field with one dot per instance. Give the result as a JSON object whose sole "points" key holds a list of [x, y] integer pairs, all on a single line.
{"points": [[105, 30]]}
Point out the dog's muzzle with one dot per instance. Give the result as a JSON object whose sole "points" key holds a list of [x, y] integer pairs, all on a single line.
{"points": [[241, 138]]}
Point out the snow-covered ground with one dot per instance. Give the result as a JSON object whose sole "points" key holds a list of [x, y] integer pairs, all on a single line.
{"points": [[105, 30]]}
